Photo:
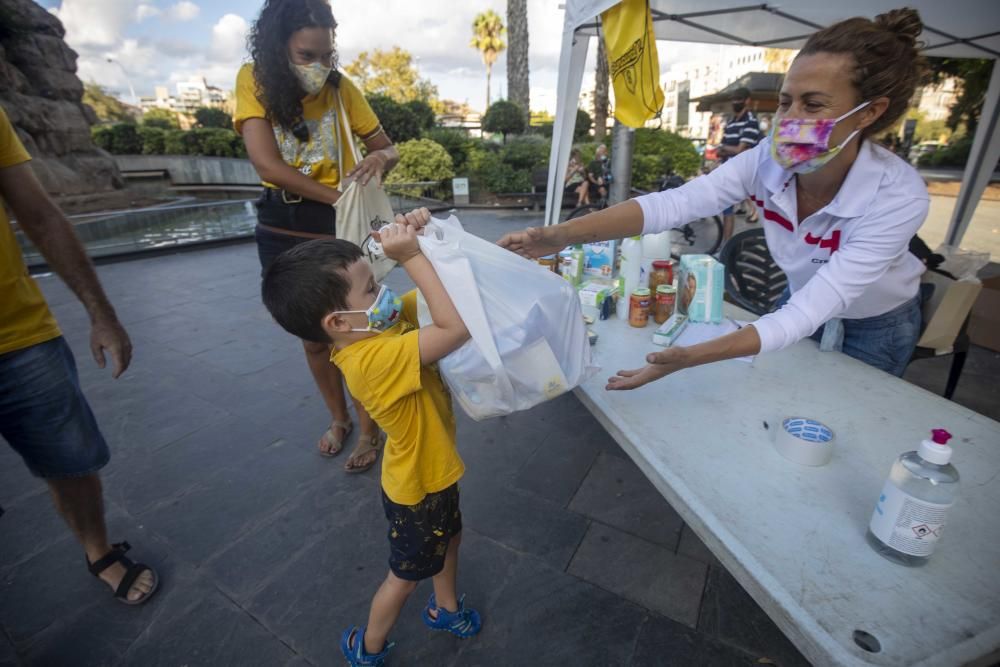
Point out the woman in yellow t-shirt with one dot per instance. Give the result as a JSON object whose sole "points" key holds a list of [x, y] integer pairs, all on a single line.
{"points": [[288, 114]]}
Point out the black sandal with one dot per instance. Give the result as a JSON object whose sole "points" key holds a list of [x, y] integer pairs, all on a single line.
{"points": [[132, 572]]}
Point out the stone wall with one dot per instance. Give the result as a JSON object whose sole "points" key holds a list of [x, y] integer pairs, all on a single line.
{"points": [[42, 95]]}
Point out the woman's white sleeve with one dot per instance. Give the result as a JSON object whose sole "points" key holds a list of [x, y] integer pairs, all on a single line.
{"points": [[702, 197], [881, 237]]}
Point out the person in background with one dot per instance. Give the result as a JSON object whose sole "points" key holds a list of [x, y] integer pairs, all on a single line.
{"points": [[287, 111], [597, 174], [325, 291], [575, 182], [839, 209], [44, 415], [741, 133]]}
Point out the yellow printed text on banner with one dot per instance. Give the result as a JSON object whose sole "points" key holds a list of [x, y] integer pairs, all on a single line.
{"points": [[633, 62]]}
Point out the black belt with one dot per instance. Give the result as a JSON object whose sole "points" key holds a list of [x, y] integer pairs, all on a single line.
{"points": [[280, 196]]}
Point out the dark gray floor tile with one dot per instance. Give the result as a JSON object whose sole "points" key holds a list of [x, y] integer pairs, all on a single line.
{"points": [[241, 356], [263, 554], [642, 572], [215, 632], [15, 479], [692, 547], [730, 614], [664, 642], [557, 467], [28, 527], [211, 515], [523, 522], [546, 617], [618, 494], [147, 478]]}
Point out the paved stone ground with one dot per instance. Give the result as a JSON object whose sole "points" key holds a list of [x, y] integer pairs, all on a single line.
{"points": [[267, 551]]}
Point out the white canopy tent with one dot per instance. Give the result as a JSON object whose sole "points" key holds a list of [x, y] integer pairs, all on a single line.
{"points": [[956, 28]]}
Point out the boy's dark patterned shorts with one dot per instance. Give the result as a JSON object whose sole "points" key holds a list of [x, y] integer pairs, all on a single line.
{"points": [[419, 534]]}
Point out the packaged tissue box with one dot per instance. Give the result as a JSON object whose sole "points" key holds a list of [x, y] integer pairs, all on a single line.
{"points": [[700, 284], [599, 258]]}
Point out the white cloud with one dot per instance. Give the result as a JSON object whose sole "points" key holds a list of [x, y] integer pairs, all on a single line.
{"points": [[95, 22], [229, 39], [185, 10], [143, 12]]}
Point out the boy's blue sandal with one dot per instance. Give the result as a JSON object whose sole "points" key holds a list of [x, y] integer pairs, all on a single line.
{"points": [[463, 623], [356, 654]]}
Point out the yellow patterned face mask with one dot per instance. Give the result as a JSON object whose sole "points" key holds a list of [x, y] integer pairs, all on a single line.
{"points": [[312, 77]]}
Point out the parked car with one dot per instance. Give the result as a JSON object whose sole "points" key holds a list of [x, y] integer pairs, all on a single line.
{"points": [[922, 149]]}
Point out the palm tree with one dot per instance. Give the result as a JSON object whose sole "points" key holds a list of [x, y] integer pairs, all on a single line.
{"points": [[601, 85], [487, 38], [517, 56]]}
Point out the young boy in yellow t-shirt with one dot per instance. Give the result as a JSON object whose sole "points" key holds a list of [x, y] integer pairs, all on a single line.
{"points": [[324, 291]]}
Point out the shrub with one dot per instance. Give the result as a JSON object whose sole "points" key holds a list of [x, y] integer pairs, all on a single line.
{"points": [[101, 134], [423, 112], [399, 121], [682, 156], [125, 139], [209, 117], [216, 141], [455, 141], [504, 117], [162, 118], [955, 154], [526, 152], [173, 142], [152, 140], [421, 160], [581, 130]]}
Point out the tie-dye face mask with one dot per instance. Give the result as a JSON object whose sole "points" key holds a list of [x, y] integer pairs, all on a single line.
{"points": [[801, 145]]}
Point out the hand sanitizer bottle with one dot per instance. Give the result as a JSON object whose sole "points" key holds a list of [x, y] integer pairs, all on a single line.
{"points": [[909, 516]]}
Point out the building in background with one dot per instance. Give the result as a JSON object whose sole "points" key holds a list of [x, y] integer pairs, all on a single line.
{"points": [[191, 95]]}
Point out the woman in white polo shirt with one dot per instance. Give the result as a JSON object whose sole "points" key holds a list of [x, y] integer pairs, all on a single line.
{"points": [[839, 210]]}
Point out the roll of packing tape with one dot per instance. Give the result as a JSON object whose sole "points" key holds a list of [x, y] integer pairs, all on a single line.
{"points": [[805, 441]]}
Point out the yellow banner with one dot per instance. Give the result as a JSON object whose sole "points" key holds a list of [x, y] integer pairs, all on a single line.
{"points": [[633, 62]]}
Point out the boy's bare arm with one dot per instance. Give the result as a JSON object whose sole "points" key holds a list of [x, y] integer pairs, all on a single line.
{"points": [[448, 332]]}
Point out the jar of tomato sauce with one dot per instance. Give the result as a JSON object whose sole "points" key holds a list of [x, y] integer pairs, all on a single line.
{"points": [[662, 274], [638, 308]]}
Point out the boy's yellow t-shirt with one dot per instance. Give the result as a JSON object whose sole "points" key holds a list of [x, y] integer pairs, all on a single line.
{"points": [[316, 158], [410, 403], [25, 319]]}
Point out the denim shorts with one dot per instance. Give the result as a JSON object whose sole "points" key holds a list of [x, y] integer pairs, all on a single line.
{"points": [[885, 341], [44, 415]]}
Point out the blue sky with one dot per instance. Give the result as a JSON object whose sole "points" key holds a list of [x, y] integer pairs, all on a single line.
{"points": [[161, 42]]}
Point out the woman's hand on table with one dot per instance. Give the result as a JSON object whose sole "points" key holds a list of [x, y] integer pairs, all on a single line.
{"points": [[535, 242], [660, 364]]}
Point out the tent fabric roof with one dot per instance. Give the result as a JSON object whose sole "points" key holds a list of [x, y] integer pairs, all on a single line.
{"points": [[955, 28]]}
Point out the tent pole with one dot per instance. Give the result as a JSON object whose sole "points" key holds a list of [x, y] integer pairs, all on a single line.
{"points": [[622, 143], [982, 160]]}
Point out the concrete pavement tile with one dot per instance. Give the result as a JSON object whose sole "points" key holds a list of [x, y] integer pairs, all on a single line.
{"points": [[645, 573], [664, 642]]}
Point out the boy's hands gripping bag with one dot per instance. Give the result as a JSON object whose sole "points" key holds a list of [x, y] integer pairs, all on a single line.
{"points": [[529, 343]]}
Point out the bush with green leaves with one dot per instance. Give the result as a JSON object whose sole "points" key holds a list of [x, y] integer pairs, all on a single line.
{"points": [[152, 140], [421, 160], [174, 142], [455, 141], [505, 117], [402, 122], [123, 139], [494, 175], [162, 118], [683, 158], [955, 154], [211, 117], [526, 152], [101, 134]]}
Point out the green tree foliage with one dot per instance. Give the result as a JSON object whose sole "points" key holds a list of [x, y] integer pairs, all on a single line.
{"points": [[581, 130], [421, 160], [162, 118], [455, 141], [423, 113], [173, 142], [504, 117], [487, 38], [955, 154], [402, 122], [526, 153], [974, 77], [125, 139], [152, 140], [101, 134], [657, 152], [210, 117], [107, 108], [390, 73]]}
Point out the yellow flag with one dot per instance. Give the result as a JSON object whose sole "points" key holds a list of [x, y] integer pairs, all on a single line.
{"points": [[633, 62]]}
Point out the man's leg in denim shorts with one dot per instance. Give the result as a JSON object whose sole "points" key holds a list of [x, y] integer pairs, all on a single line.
{"points": [[46, 419]]}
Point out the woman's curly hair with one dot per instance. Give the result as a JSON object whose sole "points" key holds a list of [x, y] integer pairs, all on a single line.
{"points": [[278, 89]]}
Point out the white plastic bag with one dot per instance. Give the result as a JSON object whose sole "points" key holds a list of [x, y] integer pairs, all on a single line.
{"points": [[529, 343]]}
